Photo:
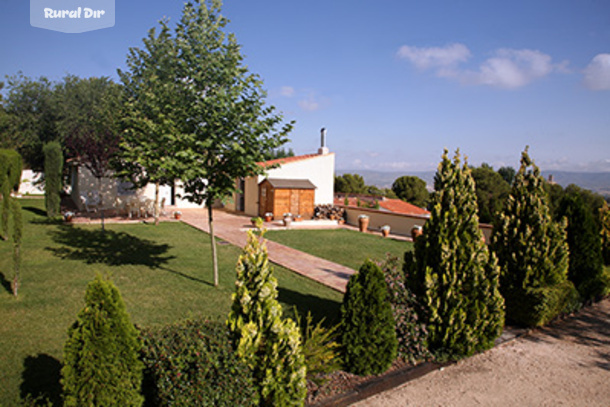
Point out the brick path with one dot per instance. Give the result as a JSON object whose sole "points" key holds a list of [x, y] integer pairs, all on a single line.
{"points": [[233, 228]]}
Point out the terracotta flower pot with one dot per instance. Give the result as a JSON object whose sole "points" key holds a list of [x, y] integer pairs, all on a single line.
{"points": [[416, 232], [363, 223], [385, 232]]}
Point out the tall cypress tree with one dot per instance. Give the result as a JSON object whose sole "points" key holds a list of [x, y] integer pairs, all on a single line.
{"points": [[532, 252], [270, 345], [101, 355], [453, 275], [53, 167], [586, 263]]}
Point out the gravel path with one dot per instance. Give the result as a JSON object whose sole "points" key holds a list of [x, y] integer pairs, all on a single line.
{"points": [[566, 364]]}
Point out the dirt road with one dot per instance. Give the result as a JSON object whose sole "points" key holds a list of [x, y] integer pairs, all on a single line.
{"points": [[566, 364]]}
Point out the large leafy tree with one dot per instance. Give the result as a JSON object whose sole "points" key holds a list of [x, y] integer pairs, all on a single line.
{"points": [[411, 189], [492, 191], [350, 183], [532, 252], [28, 117], [152, 112], [90, 118], [453, 275], [227, 128]]}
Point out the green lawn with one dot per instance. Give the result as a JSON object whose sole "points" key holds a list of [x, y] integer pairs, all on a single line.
{"points": [[342, 246], [163, 272]]}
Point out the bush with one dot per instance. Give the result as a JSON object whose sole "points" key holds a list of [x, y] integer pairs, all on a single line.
{"points": [[368, 330], [586, 264], [53, 163], [451, 272], [411, 332], [532, 253], [101, 365], [11, 164], [193, 364], [604, 216], [320, 349], [17, 236], [268, 344], [5, 191]]}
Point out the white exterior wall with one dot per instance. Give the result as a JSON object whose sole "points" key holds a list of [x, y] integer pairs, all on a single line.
{"points": [[320, 170]]}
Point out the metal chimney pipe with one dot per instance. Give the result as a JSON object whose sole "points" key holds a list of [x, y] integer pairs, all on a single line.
{"points": [[323, 137]]}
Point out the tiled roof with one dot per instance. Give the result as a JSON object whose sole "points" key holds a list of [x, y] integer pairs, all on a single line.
{"points": [[390, 205], [287, 160]]}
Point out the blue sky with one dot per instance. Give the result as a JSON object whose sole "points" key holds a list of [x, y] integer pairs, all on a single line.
{"points": [[394, 82]]}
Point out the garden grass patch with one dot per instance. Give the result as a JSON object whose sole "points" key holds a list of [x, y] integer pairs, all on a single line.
{"points": [[163, 272]]}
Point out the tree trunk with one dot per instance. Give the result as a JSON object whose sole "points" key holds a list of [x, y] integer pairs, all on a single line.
{"points": [[213, 241], [157, 207]]}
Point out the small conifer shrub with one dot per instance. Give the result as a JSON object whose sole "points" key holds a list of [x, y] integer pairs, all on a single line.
{"points": [[269, 345], [451, 272], [368, 329], [532, 253], [101, 355]]}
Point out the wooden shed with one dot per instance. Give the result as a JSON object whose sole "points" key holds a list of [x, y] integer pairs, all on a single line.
{"points": [[280, 196]]}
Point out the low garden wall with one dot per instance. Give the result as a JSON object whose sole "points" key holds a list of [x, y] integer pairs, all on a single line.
{"points": [[400, 224]]}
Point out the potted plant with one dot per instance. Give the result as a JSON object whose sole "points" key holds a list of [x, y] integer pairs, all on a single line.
{"points": [[363, 222], [68, 216], [385, 230], [287, 219], [268, 217], [177, 215], [416, 231]]}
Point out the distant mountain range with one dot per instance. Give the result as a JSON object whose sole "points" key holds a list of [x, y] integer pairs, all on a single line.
{"points": [[595, 181]]}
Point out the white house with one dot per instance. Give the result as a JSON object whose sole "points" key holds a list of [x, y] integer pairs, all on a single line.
{"points": [[297, 185]]}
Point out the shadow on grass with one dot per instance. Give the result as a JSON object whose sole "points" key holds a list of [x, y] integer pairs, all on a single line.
{"points": [[35, 211], [113, 249], [109, 247], [41, 380], [6, 284], [320, 308]]}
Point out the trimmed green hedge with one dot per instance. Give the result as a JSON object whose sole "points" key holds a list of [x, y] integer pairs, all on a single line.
{"points": [[192, 363], [11, 164]]}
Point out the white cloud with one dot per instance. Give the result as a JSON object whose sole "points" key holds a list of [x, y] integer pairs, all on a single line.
{"points": [[309, 104], [597, 73], [425, 58], [287, 91], [508, 68], [511, 69]]}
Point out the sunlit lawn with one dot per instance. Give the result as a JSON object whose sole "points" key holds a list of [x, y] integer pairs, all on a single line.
{"points": [[346, 247], [163, 272]]}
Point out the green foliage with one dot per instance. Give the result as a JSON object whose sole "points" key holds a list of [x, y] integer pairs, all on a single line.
{"points": [[411, 189], [491, 191], [604, 216], [586, 266], [532, 252], [148, 150], [269, 345], [350, 183], [53, 169], [193, 364], [11, 164], [368, 329], [411, 331], [5, 191], [320, 349], [507, 174], [17, 237], [452, 274], [279, 153], [32, 110], [101, 365]]}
